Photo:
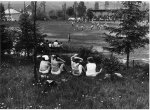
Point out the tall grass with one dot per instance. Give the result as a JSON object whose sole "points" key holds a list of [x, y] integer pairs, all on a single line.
{"points": [[17, 90]]}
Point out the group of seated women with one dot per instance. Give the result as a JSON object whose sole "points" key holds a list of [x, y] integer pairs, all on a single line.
{"points": [[56, 66]]}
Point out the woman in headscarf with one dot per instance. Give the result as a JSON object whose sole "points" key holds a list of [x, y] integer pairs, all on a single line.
{"points": [[44, 66], [57, 65], [77, 68]]}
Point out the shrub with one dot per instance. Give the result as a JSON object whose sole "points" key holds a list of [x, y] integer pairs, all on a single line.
{"points": [[111, 64], [144, 75], [85, 52], [69, 49]]}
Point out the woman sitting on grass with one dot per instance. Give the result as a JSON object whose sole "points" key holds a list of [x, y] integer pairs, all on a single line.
{"points": [[44, 66], [77, 68], [91, 68], [57, 65]]}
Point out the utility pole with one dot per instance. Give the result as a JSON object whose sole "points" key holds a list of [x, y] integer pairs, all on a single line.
{"points": [[9, 8], [24, 6], [35, 44], [65, 11]]}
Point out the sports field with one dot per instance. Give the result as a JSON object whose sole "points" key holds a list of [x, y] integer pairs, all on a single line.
{"points": [[58, 30]]}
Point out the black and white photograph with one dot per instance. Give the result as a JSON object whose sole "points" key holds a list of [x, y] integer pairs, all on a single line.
{"points": [[74, 54]]}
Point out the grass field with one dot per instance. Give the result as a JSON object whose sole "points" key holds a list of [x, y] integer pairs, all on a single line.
{"points": [[59, 30], [18, 91]]}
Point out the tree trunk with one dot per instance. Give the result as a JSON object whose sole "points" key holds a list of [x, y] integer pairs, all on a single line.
{"points": [[28, 53], [35, 45], [128, 53]]}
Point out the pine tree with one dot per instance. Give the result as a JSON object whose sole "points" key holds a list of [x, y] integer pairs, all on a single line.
{"points": [[2, 12], [26, 40], [96, 7], [5, 39], [64, 10], [70, 11], [130, 34], [89, 14], [81, 9], [75, 8]]}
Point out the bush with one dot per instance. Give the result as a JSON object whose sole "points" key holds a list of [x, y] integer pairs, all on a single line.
{"points": [[53, 17], [69, 49], [111, 65], [85, 52], [144, 75]]}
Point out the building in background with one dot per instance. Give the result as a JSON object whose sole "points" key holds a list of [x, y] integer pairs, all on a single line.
{"points": [[107, 9], [12, 14]]}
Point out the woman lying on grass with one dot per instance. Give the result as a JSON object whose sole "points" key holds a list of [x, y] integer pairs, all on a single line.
{"points": [[57, 65], [91, 68], [77, 68]]}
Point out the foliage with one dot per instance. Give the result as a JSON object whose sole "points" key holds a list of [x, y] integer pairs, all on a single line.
{"points": [[96, 6], [64, 10], [143, 73], [130, 34], [85, 52], [59, 14], [111, 65], [2, 12], [40, 15], [19, 92], [6, 41], [26, 40], [81, 9], [70, 11], [43, 5], [52, 14], [89, 14]]}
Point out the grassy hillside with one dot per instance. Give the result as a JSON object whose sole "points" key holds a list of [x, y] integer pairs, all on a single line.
{"points": [[18, 91]]}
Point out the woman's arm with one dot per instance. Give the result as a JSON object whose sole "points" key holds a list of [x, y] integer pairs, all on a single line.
{"points": [[61, 60], [79, 58]]}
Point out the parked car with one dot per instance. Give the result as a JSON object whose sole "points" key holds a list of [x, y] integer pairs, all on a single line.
{"points": [[71, 19]]}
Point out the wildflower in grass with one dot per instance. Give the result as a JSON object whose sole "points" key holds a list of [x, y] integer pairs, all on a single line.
{"points": [[94, 97], [64, 80], [40, 106]]}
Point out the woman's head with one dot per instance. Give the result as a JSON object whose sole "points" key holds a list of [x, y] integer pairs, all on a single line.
{"points": [[76, 60], [45, 57], [54, 57], [90, 59], [75, 55]]}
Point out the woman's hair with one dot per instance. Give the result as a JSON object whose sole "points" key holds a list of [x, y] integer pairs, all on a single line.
{"points": [[76, 60], [43, 58], [90, 59], [55, 57]]}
